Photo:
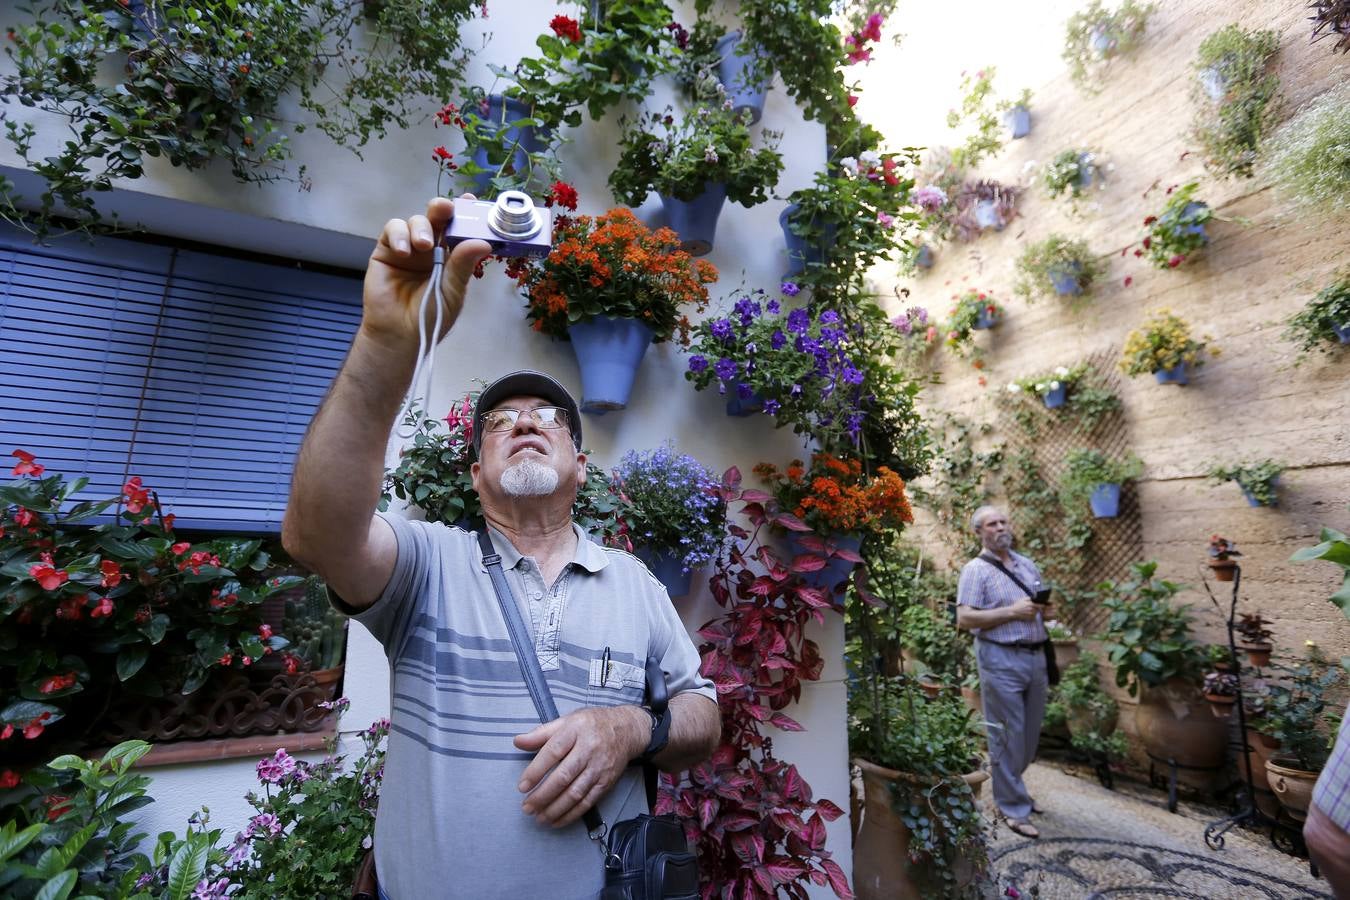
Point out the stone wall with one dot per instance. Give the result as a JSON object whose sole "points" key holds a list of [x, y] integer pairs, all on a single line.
{"points": [[1263, 263]]}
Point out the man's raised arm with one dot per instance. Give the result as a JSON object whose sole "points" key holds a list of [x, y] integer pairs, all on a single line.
{"points": [[330, 524]]}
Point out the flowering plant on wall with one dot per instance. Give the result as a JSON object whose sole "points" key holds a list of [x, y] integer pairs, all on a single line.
{"points": [[1163, 342], [1307, 156], [127, 606], [1235, 97], [1324, 323], [681, 157], [1074, 172], [835, 496], [1094, 36], [613, 265], [672, 505], [1057, 267], [1178, 231], [1044, 383], [986, 134], [804, 367], [974, 310]]}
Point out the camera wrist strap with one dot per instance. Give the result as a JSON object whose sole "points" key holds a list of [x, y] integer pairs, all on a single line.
{"points": [[419, 391]]}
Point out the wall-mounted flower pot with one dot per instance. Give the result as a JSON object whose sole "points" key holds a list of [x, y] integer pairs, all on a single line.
{"points": [[668, 569], [1213, 82], [1191, 209], [1223, 569], [923, 259], [1252, 499], [800, 253], [695, 221], [1101, 42], [741, 408], [1018, 121], [1067, 280], [735, 70], [1105, 501], [1055, 397], [503, 112], [985, 320], [1342, 332], [1175, 375], [987, 215], [609, 351], [836, 570], [1257, 654]]}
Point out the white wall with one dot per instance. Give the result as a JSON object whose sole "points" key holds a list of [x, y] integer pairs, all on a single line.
{"points": [[335, 223]]}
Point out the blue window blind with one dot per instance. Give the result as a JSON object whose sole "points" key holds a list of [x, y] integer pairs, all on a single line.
{"points": [[197, 373]]}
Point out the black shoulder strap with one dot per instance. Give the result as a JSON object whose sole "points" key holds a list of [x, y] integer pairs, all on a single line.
{"points": [[529, 663], [1006, 571]]}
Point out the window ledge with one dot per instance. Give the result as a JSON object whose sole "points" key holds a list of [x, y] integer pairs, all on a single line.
{"points": [[258, 745]]}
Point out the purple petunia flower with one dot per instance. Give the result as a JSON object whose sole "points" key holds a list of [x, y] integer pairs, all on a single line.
{"points": [[725, 369], [697, 363], [721, 329], [799, 320], [852, 375], [744, 391], [774, 307], [778, 339], [789, 289], [829, 317], [771, 407]]}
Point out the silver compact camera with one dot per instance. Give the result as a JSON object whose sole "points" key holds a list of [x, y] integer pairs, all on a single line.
{"points": [[512, 224]]}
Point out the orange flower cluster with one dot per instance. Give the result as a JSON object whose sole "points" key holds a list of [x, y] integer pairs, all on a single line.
{"points": [[835, 496], [613, 265]]}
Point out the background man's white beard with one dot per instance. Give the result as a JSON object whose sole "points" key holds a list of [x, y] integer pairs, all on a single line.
{"points": [[529, 478], [1003, 541]]}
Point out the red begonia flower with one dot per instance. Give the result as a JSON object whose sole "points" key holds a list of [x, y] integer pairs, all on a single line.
{"points": [[180, 548], [47, 577], [104, 608], [23, 517], [112, 573], [9, 779], [26, 466]]}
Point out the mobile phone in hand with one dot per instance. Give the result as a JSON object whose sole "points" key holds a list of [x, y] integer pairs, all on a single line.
{"points": [[1042, 596]]}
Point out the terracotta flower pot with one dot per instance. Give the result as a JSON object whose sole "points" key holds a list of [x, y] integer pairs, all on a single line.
{"points": [[1257, 654], [1221, 704], [1066, 653], [972, 698], [931, 689], [1223, 569], [1175, 723], [1293, 786], [881, 866]]}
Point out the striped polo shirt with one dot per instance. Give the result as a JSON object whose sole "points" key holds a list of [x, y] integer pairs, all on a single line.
{"points": [[1332, 793], [982, 586], [449, 823]]}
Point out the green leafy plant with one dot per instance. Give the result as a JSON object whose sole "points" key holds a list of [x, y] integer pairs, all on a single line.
{"points": [[1334, 547], [1320, 324], [1163, 342], [970, 308], [1089, 711], [779, 31], [1294, 710], [898, 577], [1308, 157], [962, 469], [1085, 469], [1235, 95], [984, 116], [1087, 399], [1073, 172], [433, 475], [317, 631], [1257, 479], [90, 613], [201, 82], [673, 505], [1095, 36], [1058, 631], [1057, 267], [1147, 638], [932, 637], [1178, 231], [681, 157], [1042, 384]]}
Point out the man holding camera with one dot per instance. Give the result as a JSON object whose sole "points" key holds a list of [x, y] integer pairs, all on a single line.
{"points": [[997, 599], [478, 798]]}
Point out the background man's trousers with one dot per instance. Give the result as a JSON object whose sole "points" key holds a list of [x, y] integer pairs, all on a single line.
{"points": [[1013, 689]]}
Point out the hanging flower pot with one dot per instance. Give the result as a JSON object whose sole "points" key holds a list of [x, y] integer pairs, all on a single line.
{"points": [[1175, 375], [734, 69], [1257, 654], [1105, 501], [985, 320], [695, 221], [668, 569], [837, 569], [609, 351], [1223, 569], [1253, 500], [742, 408], [1342, 332], [1214, 82], [1101, 41], [1018, 121], [502, 113], [923, 259], [987, 215], [800, 254], [1055, 397], [1067, 279]]}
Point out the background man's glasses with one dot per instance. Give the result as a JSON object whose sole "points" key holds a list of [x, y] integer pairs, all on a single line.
{"points": [[542, 416]]}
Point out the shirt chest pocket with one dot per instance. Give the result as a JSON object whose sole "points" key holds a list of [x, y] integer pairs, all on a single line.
{"points": [[613, 683]]}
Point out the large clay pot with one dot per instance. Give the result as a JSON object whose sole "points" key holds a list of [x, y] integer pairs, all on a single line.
{"points": [[881, 866], [1087, 719], [1175, 723], [1066, 653], [1293, 786], [972, 699], [1260, 752]]}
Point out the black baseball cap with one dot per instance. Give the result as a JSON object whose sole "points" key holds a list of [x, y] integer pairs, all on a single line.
{"points": [[526, 383]]}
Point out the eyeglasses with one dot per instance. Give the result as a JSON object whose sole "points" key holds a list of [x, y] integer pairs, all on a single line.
{"points": [[542, 416]]}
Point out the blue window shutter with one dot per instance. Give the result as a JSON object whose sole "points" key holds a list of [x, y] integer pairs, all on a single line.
{"points": [[197, 373], [76, 327], [245, 354]]}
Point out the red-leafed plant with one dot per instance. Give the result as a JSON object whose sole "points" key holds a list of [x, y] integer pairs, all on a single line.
{"points": [[759, 832]]}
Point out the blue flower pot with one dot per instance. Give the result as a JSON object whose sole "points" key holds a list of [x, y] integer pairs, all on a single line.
{"points": [[1105, 501], [1018, 121], [740, 409], [609, 351], [1342, 333], [503, 112], [1175, 375], [735, 70], [985, 321], [987, 215], [1190, 209], [1068, 281], [800, 254], [1251, 498], [836, 570], [924, 258], [1086, 171], [1055, 398], [695, 221], [668, 569]]}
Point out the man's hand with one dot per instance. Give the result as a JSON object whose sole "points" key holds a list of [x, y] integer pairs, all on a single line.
{"points": [[586, 751], [397, 275], [1024, 610]]}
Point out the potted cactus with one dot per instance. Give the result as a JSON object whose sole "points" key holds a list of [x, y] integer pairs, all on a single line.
{"points": [[319, 638]]}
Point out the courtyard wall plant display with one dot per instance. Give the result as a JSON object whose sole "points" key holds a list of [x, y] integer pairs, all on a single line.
{"points": [[1235, 96], [1257, 479], [1163, 347], [1324, 323], [1178, 230], [1307, 156], [1057, 267], [1095, 37]]}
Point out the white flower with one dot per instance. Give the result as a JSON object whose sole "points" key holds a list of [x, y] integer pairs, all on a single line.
{"points": [[870, 158], [1040, 388], [849, 165], [1014, 388], [1062, 371], [1054, 385]]}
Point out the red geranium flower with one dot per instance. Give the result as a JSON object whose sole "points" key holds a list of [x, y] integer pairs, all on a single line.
{"points": [[180, 548], [442, 153], [1175, 261], [23, 516], [566, 28], [26, 466], [562, 194]]}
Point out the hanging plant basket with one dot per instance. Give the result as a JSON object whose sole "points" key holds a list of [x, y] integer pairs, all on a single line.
{"points": [[836, 570], [668, 569], [1018, 121], [504, 112], [695, 221], [800, 253], [736, 66], [609, 351], [1223, 569], [741, 409], [1105, 501], [1175, 375], [1055, 397]]}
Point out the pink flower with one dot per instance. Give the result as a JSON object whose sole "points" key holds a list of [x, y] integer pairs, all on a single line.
{"points": [[885, 220], [104, 608], [275, 768]]}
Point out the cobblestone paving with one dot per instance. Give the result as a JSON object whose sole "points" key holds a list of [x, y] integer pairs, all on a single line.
{"points": [[1097, 843]]}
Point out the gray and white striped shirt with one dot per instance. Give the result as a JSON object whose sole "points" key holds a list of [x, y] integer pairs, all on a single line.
{"points": [[983, 586]]}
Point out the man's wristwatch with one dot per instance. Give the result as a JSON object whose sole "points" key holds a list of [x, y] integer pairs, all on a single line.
{"points": [[660, 733]]}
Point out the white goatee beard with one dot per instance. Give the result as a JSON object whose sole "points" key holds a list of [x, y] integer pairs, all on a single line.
{"points": [[1003, 541], [529, 478]]}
